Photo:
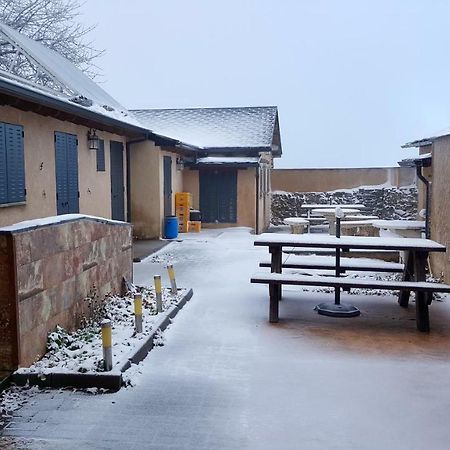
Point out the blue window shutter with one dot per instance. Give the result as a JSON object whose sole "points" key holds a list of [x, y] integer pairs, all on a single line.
{"points": [[72, 173], [101, 156], [62, 194], [15, 163], [3, 168]]}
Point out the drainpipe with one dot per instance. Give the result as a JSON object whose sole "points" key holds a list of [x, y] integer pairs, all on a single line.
{"points": [[128, 157], [427, 200], [257, 201]]}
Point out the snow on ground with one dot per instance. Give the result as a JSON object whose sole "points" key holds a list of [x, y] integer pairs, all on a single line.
{"points": [[225, 372], [81, 351]]}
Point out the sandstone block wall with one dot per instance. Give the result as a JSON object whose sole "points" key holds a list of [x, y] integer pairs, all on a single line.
{"points": [[49, 273], [386, 202]]}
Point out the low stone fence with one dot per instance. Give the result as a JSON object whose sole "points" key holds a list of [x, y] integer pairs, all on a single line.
{"points": [[51, 271], [384, 202]]}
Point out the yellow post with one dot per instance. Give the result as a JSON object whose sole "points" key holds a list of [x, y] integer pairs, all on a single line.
{"points": [[158, 291], [173, 283], [107, 344], [138, 312]]}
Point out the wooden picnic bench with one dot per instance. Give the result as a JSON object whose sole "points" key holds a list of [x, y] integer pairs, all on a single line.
{"points": [[347, 264], [416, 251]]}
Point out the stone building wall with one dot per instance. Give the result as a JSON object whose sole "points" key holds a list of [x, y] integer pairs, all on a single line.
{"points": [[385, 202], [53, 272]]}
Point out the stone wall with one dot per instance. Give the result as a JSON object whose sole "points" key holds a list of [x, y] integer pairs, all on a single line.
{"points": [[53, 270], [385, 202]]}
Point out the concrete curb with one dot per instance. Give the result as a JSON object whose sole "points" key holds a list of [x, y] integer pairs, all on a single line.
{"points": [[105, 380]]}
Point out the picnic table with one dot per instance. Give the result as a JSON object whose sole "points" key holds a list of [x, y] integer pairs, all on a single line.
{"points": [[330, 215], [403, 228], [297, 224], [416, 251], [310, 206]]}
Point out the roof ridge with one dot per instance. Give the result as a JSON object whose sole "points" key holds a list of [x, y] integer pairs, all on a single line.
{"points": [[196, 108]]}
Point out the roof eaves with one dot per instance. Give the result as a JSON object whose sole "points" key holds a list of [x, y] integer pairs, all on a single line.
{"points": [[33, 96], [237, 149], [419, 143], [416, 162]]}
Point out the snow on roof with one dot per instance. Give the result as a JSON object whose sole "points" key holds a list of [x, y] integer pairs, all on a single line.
{"points": [[227, 160], [68, 83], [427, 140], [214, 128], [423, 160]]}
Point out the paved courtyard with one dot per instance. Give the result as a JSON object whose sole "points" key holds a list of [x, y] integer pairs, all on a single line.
{"points": [[227, 379]]}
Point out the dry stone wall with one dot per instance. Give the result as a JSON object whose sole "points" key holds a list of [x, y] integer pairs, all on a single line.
{"points": [[384, 202]]}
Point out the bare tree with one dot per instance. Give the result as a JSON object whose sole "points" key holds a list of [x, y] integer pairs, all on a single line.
{"points": [[53, 23]]}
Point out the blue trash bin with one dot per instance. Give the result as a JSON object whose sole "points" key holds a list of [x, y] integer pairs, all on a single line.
{"points": [[171, 227]]}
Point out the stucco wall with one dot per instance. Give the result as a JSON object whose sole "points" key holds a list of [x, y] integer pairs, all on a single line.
{"points": [[191, 184], [325, 180], [440, 206], [246, 201], [40, 182], [58, 270], [147, 188]]}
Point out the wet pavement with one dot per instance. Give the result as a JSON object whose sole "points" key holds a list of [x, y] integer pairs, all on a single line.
{"points": [[227, 379], [145, 247]]}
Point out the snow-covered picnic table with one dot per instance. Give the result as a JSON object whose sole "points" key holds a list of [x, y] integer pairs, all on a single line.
{"points": [[403, 228], [309, 207], [297, 224], [330, 215], [416, 254]]}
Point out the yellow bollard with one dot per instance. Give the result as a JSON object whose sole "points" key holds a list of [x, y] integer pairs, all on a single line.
{"points": [[158, 291], [173, 283], [107, 344], [138, 312]]}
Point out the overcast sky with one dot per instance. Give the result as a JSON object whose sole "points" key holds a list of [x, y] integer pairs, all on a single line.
{"points": [[353, 80]]}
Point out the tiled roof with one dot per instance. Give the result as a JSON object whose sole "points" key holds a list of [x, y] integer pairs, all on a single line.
{"points": [[214, 128]]}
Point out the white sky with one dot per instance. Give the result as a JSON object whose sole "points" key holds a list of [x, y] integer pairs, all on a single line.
{"points": [[353, 80]]}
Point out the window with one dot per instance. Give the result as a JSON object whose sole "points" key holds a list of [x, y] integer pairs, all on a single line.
{"points": [[12, 166], [101, 156]]}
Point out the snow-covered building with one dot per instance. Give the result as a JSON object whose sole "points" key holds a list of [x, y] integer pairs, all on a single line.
{"points": [[63, 139], [67, 146], [433, 168], [228, 173]]}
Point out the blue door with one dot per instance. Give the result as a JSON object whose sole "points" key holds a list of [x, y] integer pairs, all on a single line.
{"points": [[218, 195], [117, 181], [66, 167]]}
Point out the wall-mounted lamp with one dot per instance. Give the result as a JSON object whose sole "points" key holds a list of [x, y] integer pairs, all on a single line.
{"points": [[93, 140], [180, 164]]}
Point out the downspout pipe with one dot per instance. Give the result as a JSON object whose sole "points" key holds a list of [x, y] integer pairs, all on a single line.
{"points": [[257, 201], [427, 200]]}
